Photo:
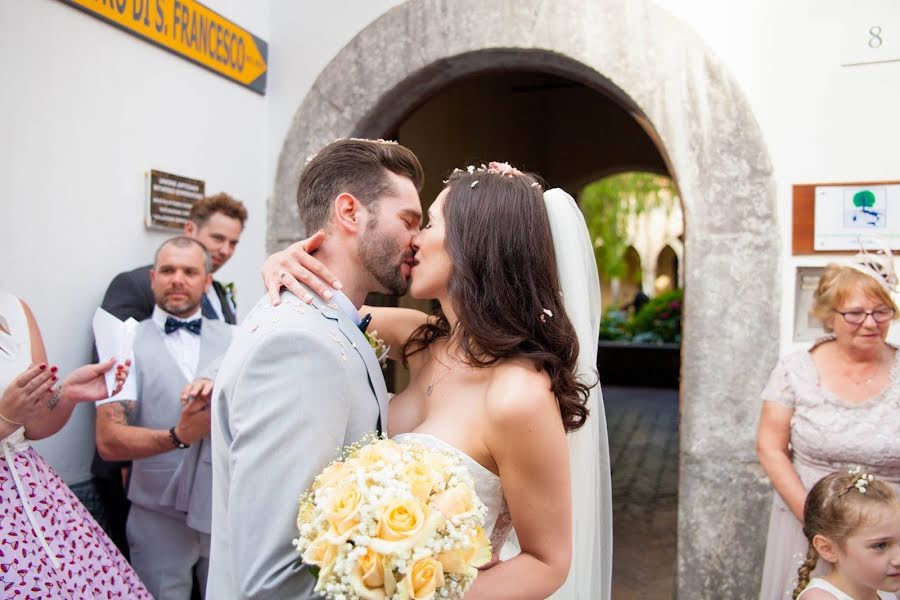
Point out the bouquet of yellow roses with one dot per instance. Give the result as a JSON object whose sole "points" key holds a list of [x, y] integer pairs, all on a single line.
{"points": [[393, 521]]}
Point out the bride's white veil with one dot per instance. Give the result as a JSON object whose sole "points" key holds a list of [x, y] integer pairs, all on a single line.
{"points": [[591, 570]]}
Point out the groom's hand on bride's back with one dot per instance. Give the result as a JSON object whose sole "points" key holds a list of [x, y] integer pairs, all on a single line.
{"points": [[295, 265]]}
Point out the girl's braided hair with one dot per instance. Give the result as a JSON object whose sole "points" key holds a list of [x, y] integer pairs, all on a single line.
{"points": [[835, 506]]}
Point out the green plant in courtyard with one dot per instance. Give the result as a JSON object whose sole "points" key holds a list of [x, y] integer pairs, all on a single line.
{"points": [[614, 325], [609, 203], [658, 321]]}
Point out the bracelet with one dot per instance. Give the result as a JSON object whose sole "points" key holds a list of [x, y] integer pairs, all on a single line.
{"points": [[10, 421], [177, 442]]}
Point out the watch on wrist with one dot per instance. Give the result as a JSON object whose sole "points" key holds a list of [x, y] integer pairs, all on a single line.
{"points": [[177, 442]]}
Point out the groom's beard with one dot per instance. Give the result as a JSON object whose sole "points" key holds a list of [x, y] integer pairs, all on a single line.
{"points": [[378, 254]]}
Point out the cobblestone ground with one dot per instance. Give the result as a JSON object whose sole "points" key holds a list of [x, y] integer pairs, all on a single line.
{"points": [[643, 444]]}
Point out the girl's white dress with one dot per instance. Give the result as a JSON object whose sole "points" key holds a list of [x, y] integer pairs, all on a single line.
{"points": [[820, 584]]}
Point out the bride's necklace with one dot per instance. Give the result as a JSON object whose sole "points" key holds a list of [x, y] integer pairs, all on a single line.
{"points": [[437, 362], [434, 381]]}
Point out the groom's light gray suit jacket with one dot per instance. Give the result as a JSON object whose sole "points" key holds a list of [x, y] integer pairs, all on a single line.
{"points": [[297, 383]]}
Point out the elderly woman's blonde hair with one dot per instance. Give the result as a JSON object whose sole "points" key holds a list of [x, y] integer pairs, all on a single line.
{"points": [[836, 284]]}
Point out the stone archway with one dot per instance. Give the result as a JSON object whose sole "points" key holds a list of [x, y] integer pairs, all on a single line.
{"points": [[661, 71]]}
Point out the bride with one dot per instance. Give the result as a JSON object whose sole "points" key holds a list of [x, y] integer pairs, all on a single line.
{"points": [[496, 374]]}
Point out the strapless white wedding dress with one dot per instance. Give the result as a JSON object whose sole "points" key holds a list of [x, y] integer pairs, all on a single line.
{"points": [[498, 522]]}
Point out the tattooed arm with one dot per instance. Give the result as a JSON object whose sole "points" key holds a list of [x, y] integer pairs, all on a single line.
{"points": [[118, 439]]}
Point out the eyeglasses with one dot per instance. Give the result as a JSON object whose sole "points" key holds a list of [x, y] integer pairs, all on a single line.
{"points": [[858, 317]]}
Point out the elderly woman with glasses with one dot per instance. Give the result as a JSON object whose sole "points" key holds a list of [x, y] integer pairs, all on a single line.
{"points": [[831, 407]]}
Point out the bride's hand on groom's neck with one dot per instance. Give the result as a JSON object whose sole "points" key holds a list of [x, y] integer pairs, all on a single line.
{"points": [[295, 265]]}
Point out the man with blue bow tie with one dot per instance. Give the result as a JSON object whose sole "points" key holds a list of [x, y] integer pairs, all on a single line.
{"points": [[169, 522]]}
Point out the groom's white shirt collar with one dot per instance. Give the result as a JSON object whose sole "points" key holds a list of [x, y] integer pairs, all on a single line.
{"points": [[343, 302]]}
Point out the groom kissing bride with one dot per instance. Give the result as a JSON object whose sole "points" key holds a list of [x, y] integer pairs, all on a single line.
{"points": [[496, 375]]}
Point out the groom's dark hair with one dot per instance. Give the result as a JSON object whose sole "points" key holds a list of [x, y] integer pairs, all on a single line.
{"points": [[355, 166]]}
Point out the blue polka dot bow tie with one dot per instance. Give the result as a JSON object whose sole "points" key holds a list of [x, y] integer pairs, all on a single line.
{"points": [[173, 324]]}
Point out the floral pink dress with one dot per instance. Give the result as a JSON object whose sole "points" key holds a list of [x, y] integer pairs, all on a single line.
{"points": [[827, 434], [50, 546]]}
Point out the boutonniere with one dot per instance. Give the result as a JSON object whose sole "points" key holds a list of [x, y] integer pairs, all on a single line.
{"points": [[378, 346], [229, 291]]}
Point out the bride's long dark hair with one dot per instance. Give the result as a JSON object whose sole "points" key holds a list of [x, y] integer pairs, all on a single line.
{"points": [[504, 285]]}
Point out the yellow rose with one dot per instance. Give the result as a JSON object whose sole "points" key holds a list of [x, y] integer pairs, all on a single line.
{"points": [[331, 475], [320, 553], [403, 525], [424, 579], [438, 462], [421, 479], [342, 508], [400, 520], [466, 560], [387, 451], [482, 552], [371, 571], [455, 501], [367, 578]]}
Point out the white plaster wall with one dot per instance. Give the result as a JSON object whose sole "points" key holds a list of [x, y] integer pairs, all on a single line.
{"points": [[304, 37], [822, 122], [86, 109]]}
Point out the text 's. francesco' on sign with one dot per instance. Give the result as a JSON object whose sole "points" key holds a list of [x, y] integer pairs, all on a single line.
{"points": [[192, 31]]}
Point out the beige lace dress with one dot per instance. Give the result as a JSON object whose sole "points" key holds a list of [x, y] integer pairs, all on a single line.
{"points": [[827, 434]]}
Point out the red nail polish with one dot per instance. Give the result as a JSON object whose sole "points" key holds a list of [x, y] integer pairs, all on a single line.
{"points": [[54, 369], [42, 367], [54, 378]]}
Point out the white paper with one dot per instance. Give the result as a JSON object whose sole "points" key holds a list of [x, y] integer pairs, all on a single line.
{"points": [[841, 219], [114, 339]]}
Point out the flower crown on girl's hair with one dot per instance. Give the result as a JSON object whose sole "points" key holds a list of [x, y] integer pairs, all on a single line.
{"points": [[878, 264], [504, 169]]}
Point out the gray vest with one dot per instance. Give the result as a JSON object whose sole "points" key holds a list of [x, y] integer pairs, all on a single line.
{"points": [[159, 382]]}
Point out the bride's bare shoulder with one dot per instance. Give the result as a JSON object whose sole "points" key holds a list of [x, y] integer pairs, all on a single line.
{"points": [[517, 393]]}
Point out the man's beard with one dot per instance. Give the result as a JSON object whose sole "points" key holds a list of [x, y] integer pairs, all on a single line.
{"points": [[178, 309], [378, 254]]}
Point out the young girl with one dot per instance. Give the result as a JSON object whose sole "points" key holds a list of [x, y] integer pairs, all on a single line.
{"points": [[852, 521]]}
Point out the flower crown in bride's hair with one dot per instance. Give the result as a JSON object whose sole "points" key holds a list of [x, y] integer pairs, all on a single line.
{"points": [[878, 264], [503, 169]]}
